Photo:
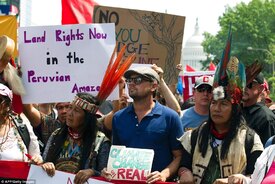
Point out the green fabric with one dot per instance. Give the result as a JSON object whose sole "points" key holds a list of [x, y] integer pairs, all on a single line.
{"points": [[213, 170]]}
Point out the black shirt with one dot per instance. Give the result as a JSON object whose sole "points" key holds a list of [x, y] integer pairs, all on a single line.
{"points": [[261, 119]]}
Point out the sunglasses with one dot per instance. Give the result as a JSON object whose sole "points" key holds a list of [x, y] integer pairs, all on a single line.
{"points": [[136, 80], [203, 89], [251, 85]]}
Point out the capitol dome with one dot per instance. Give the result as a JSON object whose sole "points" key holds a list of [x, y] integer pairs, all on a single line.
{"points": [[192, 52]]}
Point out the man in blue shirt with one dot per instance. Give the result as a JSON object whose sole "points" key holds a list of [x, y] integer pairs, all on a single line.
{"points": [[148, 124], [202, 94]]}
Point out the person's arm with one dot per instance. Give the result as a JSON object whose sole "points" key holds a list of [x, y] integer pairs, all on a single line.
{"points": [[169, 171], [117, 105], [33, 148], [185, 176], [169, 97], [102, 157], [235, 178], [32, 114], [185, 171]]}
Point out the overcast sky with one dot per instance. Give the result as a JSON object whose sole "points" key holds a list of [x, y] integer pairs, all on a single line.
{"points": [[207, 11]]}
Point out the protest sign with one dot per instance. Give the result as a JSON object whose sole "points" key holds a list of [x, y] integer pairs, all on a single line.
{"points": [[130, 163], [38, 175], [189, 79], [156, 38], [60, 61]]}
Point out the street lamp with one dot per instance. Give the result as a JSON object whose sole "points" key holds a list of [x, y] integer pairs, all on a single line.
{"points": [[268, 52]]}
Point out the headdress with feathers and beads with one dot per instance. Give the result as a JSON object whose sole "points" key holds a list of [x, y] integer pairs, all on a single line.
{"points": [[229, 78]]}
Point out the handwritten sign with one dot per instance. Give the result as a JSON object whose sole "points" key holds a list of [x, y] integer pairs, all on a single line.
{"points": [[38, 175], [130, 163], [60, 61], [156, 38]]}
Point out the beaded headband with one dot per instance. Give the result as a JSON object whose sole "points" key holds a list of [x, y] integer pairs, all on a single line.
{"points": [[83, 104]]}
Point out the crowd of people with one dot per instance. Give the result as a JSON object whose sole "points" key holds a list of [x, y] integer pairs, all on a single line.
{"points": [[219, 138]]}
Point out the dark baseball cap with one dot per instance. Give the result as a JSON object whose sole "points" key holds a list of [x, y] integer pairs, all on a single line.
{"points": [[259, 78]]}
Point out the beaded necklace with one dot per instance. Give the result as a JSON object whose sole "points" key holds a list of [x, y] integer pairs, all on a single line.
{"points": [[17, 136], [74, 134], [4, 138], [6, 132], [20, 142]]}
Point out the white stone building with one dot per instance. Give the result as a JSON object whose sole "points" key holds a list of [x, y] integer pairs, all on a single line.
{"points": [[192, 52]]}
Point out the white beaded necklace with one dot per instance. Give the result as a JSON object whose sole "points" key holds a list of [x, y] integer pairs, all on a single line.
{"points": [[20, 142]]}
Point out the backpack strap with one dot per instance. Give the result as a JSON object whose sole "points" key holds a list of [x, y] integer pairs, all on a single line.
{"points": [[194, 137], [100, 138], [22, 129], [249, 141]]}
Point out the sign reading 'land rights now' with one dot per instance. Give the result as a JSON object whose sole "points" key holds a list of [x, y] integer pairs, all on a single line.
{"points": [[60, 61]]}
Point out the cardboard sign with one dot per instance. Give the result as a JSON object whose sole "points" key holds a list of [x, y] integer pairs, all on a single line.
{"points": [[38, 175], [60, 61], [130, 163], [156, 38]]}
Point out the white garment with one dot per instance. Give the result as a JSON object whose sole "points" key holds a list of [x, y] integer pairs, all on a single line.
{"points": [[10, 150], [264, 160]]}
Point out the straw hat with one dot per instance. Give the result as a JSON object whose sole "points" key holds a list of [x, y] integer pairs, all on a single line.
{"points": [[6, 48]]}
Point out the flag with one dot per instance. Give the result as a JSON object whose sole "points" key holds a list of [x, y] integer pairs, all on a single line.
{"points": [[77, 12], [212, 66], [189, 69]]}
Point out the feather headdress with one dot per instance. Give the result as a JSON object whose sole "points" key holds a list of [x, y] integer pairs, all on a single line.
{"points": [[229, 78], [252, 71], [115, 70]]}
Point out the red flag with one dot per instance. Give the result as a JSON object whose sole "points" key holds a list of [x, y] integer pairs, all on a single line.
{"points": [[77, 12], [190, 69], [212, 66]]}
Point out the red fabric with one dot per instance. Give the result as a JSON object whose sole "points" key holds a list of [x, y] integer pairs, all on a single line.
{"points": [[17, 105], [216, 133], [212, 67], [13, 169], [77, 12], [189, 69]]}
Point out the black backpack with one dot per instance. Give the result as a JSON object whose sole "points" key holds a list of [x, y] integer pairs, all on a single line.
{"points": [[22, 129]]}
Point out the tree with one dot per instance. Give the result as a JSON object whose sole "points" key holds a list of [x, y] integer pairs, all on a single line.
{"points": [[253, 25], [164, 34]]}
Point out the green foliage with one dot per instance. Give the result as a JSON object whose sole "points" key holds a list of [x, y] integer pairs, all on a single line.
{"points": [[253, 25]]}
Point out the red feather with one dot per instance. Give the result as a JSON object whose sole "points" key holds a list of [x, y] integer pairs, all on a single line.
{"points": [[114, 73]]}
